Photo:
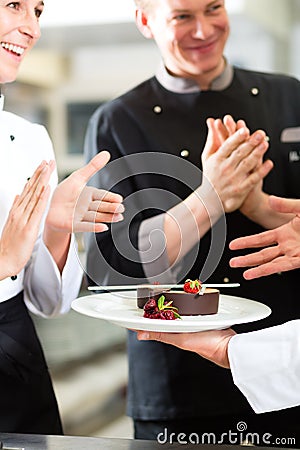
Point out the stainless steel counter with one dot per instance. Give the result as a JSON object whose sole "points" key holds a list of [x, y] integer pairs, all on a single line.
{"points": [[39, 442]]}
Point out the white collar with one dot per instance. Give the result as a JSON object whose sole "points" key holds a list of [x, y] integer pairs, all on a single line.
{"points": [[187, 86], [1, 102]]}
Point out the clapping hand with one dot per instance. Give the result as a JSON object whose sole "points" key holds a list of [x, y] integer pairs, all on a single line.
{"points": [[23, 223], [233, 160], [76, 207]]}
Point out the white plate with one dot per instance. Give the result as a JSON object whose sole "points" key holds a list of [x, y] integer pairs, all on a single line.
{"points": [[120, 309]]}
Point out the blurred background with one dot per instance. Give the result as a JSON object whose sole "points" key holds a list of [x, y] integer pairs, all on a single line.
{"points": [[85, 57]]}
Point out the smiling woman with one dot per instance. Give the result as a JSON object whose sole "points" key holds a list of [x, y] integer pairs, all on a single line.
{"points": [[36, 238], [20, 30]]}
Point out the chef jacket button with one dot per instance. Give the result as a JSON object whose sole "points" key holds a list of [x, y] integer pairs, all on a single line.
{"points": [[12, 138], [185, 153], [226, 280], [255, 91], [157, 109], [14, 277]]}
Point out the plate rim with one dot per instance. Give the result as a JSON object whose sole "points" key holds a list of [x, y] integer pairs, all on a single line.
{"points": [[185, 325]]}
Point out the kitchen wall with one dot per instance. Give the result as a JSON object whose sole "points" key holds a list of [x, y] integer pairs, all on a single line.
{"points": [[91, 64]]}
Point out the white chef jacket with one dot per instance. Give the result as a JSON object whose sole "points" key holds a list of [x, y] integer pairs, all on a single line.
{"points": [[265, 366], [23, 145]]}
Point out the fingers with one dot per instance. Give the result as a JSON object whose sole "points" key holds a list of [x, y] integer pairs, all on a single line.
{"points": [[90, 169], [240, 124], [89, 227], [230, 124], [98, 217], [234, 138], [256, 259], [251, 179], [40, 206], [177, 339], [156, 336], [213, 141], [254, 241], [244, 166], [280, 264], [107, 196], [250, 152], [233, 142], [32, 181], [106, 207], [33, 199], [265, 168], [35, 190], [222, 130], [212, 344], [285, 205]]}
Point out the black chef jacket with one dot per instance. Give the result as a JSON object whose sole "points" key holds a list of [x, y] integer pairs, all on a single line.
{"points": [[165, 382]]}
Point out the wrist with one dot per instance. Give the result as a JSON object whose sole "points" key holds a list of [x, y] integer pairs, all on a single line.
{"points": [[225, 358], [8, 269], [256, 211], [58, 243]]}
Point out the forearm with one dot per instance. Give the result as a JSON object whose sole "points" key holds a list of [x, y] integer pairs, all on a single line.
{"points": [[262, 214], [165, 239], [186, 223], [58, 244]]}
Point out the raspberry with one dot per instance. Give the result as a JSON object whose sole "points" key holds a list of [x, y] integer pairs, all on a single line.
{"points": [[167, 315], [152, 315], [150, 305], [151, 310], [160, 310]]}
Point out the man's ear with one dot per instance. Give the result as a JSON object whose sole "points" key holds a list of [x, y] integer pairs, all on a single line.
{"points": [[142, 23]]}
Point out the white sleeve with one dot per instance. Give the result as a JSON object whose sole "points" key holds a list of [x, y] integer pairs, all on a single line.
{"points": [[265, 366], [47, 292]]}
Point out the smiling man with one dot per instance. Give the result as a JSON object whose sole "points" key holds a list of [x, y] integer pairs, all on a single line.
{"points": [[156, 134], [191, 37]]}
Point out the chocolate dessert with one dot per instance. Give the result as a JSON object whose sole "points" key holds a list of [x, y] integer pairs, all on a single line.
{"points": [[194, 304], [187, 303]]}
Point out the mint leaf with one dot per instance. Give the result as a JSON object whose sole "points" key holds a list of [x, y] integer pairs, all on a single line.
{"points": [[160, 302], [165, 307], [178, 316]]}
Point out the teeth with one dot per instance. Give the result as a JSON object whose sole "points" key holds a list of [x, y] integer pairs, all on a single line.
{"points": [[13, 48]]}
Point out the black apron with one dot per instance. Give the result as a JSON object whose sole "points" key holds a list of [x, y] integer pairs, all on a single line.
{"points": [[27, 399]]}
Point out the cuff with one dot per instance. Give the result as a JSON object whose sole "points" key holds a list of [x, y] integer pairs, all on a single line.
{"points": [[265, 366], [49, 293]]}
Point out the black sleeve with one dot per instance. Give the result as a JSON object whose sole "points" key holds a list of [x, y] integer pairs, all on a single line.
{"points": [[112, 256]]}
